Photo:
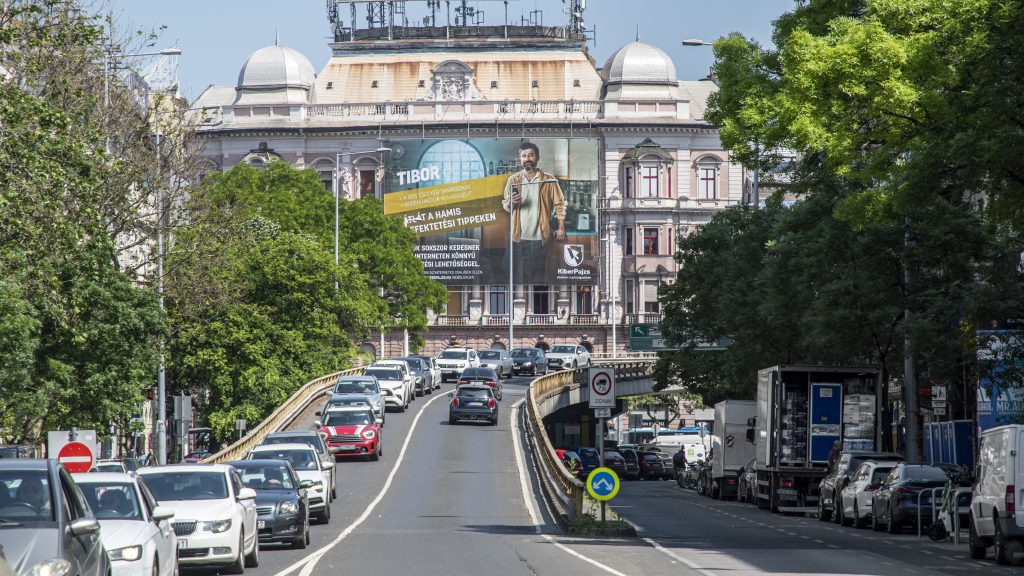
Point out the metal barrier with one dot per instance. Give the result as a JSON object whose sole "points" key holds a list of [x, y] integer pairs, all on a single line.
{"points": [[280, 417], [956, 516], [934, 511]]}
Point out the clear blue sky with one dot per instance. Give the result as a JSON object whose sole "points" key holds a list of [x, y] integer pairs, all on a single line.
{"points": [[217, 36]]}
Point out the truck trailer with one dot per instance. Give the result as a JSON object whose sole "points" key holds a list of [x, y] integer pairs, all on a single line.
{"points": [[801, 412], [731, 448]]}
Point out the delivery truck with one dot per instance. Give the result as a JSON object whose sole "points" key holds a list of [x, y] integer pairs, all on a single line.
{"points": [[730, 446], [801, 412]]}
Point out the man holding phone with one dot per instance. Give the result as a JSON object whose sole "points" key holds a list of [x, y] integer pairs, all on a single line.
{"points": [[532, 197]]}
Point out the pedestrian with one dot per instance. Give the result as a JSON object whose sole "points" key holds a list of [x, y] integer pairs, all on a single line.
{"points": [[679, 459], [833, 454]]}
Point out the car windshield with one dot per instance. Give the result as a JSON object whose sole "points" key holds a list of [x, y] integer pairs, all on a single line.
{"points": [[923, 473], [612, 454], [453, 355], [312, 440], [415, 363], [25, 497], [173, 485], [356, 387], [589, 456], [879, 474], [524, 353], [262, 477], [651, 457], [300, 459], [112, 501], [384, 374], [490, 355], [348, 418], [474, 393], [563, 349], [478, 373], [110, 467]]}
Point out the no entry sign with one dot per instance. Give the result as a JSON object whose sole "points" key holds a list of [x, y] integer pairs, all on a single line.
{"points": [[602, 388], [76, 457]]}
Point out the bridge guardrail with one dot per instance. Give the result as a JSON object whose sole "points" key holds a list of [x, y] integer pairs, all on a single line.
{"points": [[279, 417]]}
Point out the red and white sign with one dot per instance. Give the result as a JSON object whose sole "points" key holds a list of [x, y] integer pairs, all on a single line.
{"points": [[76, 457], [602, 388]]}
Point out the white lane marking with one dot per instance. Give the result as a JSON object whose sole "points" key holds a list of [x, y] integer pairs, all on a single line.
{"points": [[528, 502], [309, 562], [677, 557], [75, 459]]}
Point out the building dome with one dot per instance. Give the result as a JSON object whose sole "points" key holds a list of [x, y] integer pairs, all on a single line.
{"points": [[276, 67], [638, 62]]}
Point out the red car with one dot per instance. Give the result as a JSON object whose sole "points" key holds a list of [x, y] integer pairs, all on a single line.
{"points": [[616, 462], [352, 431]]}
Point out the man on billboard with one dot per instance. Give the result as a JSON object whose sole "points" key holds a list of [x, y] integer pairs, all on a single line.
{"points": [[532, 197]]}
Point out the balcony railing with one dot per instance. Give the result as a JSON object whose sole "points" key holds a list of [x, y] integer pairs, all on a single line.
{"points": [[511, 110], [643, 318], [584, 319], [452, 320], [496, 320], [540, 319]]}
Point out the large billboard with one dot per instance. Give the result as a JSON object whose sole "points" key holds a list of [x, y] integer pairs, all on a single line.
{"points": [[465, 199], [1001, 385]]}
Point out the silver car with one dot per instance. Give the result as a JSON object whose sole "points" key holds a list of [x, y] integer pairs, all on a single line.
{"points": [[363, 384], [498, 360]]}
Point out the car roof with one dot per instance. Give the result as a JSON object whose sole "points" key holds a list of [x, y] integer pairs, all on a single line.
{"points": [[292, 434], [23, 464], [347, 409], [349, 396], [283, 446], [103, 477], [473, 387], [185, 468], [355, 378], [260, 462]]}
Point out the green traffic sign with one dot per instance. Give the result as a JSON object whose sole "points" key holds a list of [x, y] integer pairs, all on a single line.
{"points": [[644, 330]]}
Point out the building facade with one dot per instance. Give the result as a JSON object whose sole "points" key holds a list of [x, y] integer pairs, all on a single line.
{"points": [[631, 152]]}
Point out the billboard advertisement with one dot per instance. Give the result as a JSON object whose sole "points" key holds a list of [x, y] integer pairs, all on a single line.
{"points": [[1001, 386], [466, 199]]}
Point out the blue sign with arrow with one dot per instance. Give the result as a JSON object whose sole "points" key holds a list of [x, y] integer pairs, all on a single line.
{"points": [[603, 484]]}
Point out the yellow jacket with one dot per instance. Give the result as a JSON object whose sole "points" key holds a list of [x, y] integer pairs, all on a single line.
{"points": [[552, 202]]}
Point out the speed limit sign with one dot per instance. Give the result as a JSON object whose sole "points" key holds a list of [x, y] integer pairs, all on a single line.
{"points": [[602, 388]]}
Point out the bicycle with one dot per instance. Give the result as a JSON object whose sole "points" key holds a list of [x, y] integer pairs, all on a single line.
{"points": [[688, 478]]}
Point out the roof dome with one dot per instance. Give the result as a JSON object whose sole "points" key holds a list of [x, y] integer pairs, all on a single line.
{"points": [[638, 62], [276, 67]]}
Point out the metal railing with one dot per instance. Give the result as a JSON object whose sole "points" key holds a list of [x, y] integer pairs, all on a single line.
{"points": [[280, 417]]}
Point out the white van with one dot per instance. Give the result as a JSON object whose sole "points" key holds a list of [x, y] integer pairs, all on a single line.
{"points": [[998, 487]]}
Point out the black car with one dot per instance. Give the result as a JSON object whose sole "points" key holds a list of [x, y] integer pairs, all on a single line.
{"points": [[45, 518], [632, 458], [529, 361], [421, 369], [282, 506], [895, 502], [480, 375], [833, 482], [473, 402]]}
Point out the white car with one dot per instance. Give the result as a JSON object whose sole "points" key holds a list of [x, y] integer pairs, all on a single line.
{"points": [[308, 466], [453, 361], [407, 372], [214, 514], [567, 357], [137, 533], [994, 519], [393, 386], [435, 371], [855, 498]]}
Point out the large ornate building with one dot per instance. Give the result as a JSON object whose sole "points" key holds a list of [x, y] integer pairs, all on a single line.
{"points": [[391, 90]]}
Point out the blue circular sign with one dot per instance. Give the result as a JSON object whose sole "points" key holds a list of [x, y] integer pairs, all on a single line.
{"points": [[603, 483]]}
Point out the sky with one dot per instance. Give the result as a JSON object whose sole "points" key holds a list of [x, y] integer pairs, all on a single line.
{"points": [[216, 36]]}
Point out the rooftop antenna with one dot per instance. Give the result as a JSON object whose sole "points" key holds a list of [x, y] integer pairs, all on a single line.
{"points": [[637, 30], [277, 36]]}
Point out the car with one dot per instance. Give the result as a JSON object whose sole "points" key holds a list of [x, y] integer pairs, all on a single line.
{"points": [[632, 458], [667, 465], [137, 532], [589, 457], [214, 514], [362, 384], [435, 370], [499, 360], [196, 457], [651, 466], [747, 483], [854, 504], [352, 431], [472, 402], [481, 375], [407, 373], [393, 386], [571, 460], [313, 438], [17, 451], [46, 522], [568, 357], [529, 360], [616, 462], [452, 361], [994, 520], [832, 483], [895, 503], [421, 370], [307, 464], [109, 466], [282, 500]]}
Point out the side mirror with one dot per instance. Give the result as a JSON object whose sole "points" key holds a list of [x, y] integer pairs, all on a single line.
{"points": [[306, 484], [83, 526], [317, 423], [327, 465], [246, 494], [378, 422], [162, 513]]}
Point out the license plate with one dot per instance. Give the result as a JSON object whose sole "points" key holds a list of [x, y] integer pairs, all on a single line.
{"points": [[261, 524], [182, 543], [346, 448], [474, 404], [786, 492]]}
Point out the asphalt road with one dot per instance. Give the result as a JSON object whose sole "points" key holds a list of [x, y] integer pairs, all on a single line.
{"points": [[453, 500]]}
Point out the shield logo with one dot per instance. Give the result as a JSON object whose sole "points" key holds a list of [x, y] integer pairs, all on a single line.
{"points": [[573, 254]]}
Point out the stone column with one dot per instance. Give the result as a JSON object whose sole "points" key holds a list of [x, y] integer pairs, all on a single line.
{"points": [[476, 304], [562, 307]]}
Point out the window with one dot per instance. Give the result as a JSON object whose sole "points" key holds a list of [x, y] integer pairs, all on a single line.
{"points": [[651, 241], [629, 296], [584, 300], [628, 237], [648, 182], [629, 181], [707, 182], [650, 296], [541, 300], [457, 160], [367, 184], [497, 300]]}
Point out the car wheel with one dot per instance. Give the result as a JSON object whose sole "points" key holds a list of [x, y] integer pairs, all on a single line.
{"points": [[858, 522], [252, 559], [494, 422], [837, 513], [975, 547], [156, 566], [875, 524], [325, 516], [452, 420], [238, 566], [374, 456], [893, 527], [401, 407], [302, 540], [823, 514], [999, 545], [844, 520]]}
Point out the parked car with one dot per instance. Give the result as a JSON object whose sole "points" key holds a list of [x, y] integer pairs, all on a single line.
{"points": [[473, 402], [435, 370], [137, 532], [316, 442], [572, 461], [895, 503], [995, 520], [364, 384], [214, 514], [17, 451], [308, 466], [393, 386], [407, 373], [282, 501], [352, 431], [615, 461], [652, 467], [567, 357], [453, 361], [421, 370], [854, 504], [747, 482], [45, 520], [529, 360], [589, 457], [844, 467], [499, 360], [666, 464], [481, 375], [632, 458], [109, 466]]}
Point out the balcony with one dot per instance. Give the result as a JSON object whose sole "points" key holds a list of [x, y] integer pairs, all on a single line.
{"points": [[495, 320], [540, 319], [446, 320], [585, 319], [508, 110], [643, 318]]}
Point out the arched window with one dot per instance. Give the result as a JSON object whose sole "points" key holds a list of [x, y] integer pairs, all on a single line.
{"points": [[457, 160], [325, 168], [257, 163]]}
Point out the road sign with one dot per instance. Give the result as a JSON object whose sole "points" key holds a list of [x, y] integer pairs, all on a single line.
{"points": [[602, 388], [644, 330], [603, 484], [76, 457], [602, 412]]}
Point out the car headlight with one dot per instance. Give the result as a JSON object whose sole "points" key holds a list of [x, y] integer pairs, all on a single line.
{"points": [[217, 526], [128, 553], [51, 567], [369, 434], [288, 508]]}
